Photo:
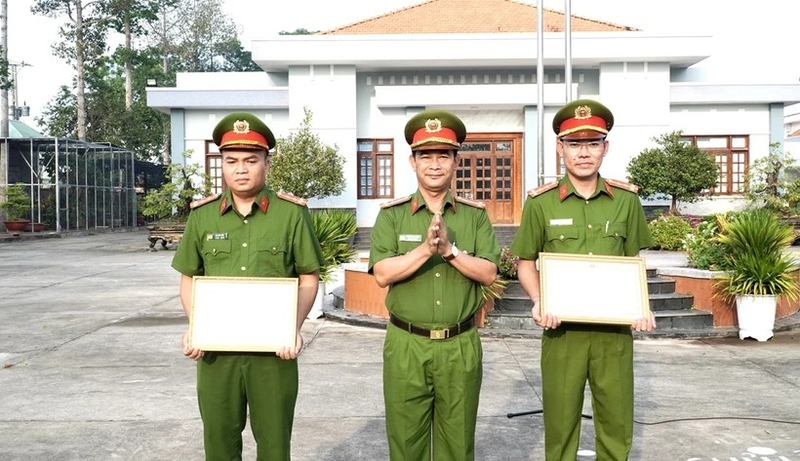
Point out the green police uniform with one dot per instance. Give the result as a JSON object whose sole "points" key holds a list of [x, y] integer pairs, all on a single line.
{"points": [[609, 222], [432, 384], [276, 239]]}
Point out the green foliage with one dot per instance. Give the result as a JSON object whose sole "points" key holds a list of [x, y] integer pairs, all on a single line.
{"points": [[703, 248], [507, 269], [755, 242], [306, 167], [5, 77], [300, 31], [183, 185], [676, 169], [17, 205], [769, 182], [669, 232], [334, 230]]}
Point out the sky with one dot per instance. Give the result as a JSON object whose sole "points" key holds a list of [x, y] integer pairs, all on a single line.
{"points": [[753, 42]]}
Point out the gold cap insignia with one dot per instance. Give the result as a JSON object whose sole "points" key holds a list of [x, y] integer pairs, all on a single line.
{"points": [[583, 112], [433, 125], [241, 127]]}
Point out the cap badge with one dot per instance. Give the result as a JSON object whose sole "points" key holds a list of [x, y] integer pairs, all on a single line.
{"points": [[433, 125], [583, 112], [241, 127]]}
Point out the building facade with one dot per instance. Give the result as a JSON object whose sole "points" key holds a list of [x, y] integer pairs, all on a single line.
{"points": [[363, 81]]}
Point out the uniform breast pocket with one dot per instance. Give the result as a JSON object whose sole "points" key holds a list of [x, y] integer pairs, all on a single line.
{"points": [[273, 258], [614, 237], [216, 255], [561, 237]]}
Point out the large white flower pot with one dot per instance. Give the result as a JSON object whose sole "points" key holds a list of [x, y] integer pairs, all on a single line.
{"points": [[316, 308], [756, 315]]}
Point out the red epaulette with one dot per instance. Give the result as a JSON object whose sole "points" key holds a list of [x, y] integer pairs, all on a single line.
{"points": [[623, 185], [292, 198], [469, 202], [396, 201], [203, 201], [542, 189]]}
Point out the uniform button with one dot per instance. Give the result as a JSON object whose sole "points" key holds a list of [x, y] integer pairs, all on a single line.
{"points": [[561, 237], [587, 202], [244, 268], [245, 221], [214, 251], [589, 226], [244, 245], [438, 303], [274, 248], [438, 274], [590, 253], [616, 234]]}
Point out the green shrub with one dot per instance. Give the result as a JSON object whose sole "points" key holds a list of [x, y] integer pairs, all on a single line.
{"points": [[703, 249], [334, 230], [669, 232]]}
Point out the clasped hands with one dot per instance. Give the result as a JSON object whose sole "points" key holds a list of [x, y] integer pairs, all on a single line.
{"points": [[437, 240]]}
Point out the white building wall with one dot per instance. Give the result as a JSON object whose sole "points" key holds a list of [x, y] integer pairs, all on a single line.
{"points": [[329, 92]]}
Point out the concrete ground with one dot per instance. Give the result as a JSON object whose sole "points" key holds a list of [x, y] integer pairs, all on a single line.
{"points": [[89, 342]]}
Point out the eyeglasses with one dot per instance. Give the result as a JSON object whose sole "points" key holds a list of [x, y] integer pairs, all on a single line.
{"points": [[594, 146]]}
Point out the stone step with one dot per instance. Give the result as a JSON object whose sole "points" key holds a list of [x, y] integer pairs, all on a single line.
{"points": [[670, 301], [665, 320]]}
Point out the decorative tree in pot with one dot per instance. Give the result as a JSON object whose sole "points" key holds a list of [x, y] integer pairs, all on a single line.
{"points": [[17, 208], [757, 269]]}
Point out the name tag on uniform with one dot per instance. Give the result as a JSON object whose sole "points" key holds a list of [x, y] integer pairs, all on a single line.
{"points": [[410, 238], [561, 222], [217, 236]]}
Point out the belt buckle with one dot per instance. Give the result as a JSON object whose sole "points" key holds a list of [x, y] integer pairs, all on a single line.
{"points": [[440, 334]]}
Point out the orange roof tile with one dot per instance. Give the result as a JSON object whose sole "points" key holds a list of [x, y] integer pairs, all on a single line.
{"points": [[469, 16], [794, 134]]}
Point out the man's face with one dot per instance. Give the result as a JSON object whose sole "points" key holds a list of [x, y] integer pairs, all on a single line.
{"points": [[244, 171], [434, 168], [583, 153]]}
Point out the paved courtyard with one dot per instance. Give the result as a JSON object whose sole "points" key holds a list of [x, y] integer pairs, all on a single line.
{"points": [[89, 332]]}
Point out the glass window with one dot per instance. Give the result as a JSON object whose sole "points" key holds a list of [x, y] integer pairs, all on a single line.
{"points": [[375, 168]]}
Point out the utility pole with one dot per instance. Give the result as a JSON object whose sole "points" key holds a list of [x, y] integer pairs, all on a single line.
{"points": [[3, 101]]}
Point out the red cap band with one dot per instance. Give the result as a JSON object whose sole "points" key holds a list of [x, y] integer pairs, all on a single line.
{"points": [[443, 136], [571, 125], [249, 140]]}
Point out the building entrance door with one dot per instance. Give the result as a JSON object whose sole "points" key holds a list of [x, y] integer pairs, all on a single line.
{"points": [[490, 172]]}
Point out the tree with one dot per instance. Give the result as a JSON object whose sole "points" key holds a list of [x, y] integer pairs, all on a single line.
{"points": [[677, 169], [298, 32], [84, 40], [773, 182], [306, 167]]}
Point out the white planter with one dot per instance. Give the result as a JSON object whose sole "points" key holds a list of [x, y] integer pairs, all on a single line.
{"points": [[316, 308], [756, 315]]}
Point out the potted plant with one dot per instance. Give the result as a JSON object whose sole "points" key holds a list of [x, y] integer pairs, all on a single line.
{"points": [[169, 205], [335, 230], [757, 269], [17, 207]]}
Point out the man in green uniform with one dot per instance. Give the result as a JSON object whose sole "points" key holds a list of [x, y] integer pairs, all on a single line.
{"points": [[583, 213], [432, 356], [248, 231]]}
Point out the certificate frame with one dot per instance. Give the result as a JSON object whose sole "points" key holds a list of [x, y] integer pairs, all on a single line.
{"points": [[587, 288], [243, 314]]}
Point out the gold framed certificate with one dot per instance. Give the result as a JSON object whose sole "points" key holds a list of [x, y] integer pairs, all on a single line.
{"points": [[593, 289], [243, 314]]}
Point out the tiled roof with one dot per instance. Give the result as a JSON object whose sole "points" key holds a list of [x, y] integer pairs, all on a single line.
{"points": [[794, 134], [469, 16]]}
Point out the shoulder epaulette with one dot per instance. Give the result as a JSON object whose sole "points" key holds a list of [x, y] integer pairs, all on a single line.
{"points": [[203, 201], [396, 201], [623, 185], [469, 202], [542, 189], [292, 198]]}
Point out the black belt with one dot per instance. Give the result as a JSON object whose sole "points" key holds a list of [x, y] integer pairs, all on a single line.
{"points": [[445, 333]]}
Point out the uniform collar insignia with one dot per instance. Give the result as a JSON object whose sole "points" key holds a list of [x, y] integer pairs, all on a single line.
{"points": [[223, 206], [263, 204], [414, 205], [608, 189], [563, 191]]}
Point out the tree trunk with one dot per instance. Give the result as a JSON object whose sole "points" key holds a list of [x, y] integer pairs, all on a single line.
{"points": [[79, 55], [673, 208], [128, 67]]}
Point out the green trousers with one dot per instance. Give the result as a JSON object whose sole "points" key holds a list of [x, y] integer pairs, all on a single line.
{"points": [[431, 390], [227, 383], [603, 355]]}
